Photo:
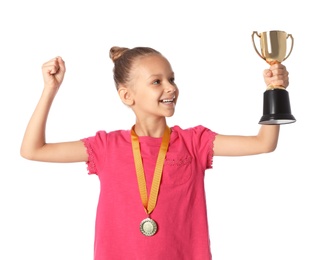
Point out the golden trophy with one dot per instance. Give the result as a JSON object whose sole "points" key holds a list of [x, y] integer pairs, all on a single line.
{"points": [[276, 106]]}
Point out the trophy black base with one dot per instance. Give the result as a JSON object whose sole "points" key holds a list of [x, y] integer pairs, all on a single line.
{"points": [[276, 108]]}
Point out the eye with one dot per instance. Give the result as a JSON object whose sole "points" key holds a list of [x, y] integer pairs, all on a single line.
{"points": [[156, 82], [172, 81]]}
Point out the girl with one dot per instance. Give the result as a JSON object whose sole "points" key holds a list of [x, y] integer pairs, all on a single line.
{"points": [[152, 199]]}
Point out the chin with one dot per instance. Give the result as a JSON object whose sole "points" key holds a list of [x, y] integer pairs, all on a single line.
{"points": [[170, 114]]}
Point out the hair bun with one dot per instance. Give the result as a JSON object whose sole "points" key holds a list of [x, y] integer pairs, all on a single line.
{"points": [[116, 52]]}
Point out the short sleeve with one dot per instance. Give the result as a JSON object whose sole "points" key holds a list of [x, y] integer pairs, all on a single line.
{"points": [[95, 147], [199, 140], [203, 139]]}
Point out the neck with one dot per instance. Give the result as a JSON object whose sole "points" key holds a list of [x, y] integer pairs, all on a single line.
{"points": [[153, 129]]}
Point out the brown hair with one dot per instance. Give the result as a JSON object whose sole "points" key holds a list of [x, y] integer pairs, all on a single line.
{"points": [[124, 58]]}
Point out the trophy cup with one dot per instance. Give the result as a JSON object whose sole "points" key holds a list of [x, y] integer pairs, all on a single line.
{"points": [[276, 106]]}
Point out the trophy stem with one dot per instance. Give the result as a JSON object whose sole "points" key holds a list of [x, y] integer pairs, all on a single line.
{"points": [[276, 108]]}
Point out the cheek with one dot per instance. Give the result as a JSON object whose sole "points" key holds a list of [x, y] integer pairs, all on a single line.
{"points": [[144, 98], [177, 93]]}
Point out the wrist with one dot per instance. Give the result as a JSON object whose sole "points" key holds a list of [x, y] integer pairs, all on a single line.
{"points": [[49, 92]]}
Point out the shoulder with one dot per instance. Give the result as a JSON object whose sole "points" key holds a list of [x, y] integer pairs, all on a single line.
{"points": [[198, 140], [192, 131], [111, 134], [194, 136], [103, 137]]}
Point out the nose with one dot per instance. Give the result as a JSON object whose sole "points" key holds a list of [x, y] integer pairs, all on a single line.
{"points": [[170, 88]]}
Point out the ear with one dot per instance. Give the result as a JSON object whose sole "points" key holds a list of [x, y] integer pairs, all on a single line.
{"points": [[125, 95]]}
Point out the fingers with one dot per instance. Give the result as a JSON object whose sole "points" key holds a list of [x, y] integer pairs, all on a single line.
{"points": [[53, 72], [54, 65], [61, 64], [277, 76]]}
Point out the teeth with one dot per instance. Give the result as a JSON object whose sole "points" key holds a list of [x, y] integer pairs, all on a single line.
{"points": [[167, 100]]}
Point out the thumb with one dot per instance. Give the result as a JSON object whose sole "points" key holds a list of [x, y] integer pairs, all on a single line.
{"points": [[61, 64], [267, 73]]}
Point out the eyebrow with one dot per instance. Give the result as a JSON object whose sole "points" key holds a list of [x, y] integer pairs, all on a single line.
{"points": [[158, 75], [154, 76]]}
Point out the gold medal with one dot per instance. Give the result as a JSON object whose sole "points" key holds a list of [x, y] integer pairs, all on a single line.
{"points": [[148, 227]]}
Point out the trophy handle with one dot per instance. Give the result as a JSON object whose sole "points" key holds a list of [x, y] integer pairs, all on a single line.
{"points": [[255, 33], [291, 47]]}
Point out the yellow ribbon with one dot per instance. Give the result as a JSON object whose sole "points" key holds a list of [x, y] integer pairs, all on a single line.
{"points": [[149, 204]]}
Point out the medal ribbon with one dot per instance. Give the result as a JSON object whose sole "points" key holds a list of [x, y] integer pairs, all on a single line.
{"points": [[149, 204]]}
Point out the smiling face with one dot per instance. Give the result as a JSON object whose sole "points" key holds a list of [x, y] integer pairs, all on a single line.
{"points": [[152, 89]]}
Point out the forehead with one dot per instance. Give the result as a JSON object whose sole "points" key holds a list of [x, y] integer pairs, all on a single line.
{"points": [[152, 64]]}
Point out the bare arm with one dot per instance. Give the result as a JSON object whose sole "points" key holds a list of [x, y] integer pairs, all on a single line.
{"points": [[264, 142], [34, 146], [267, 138]]}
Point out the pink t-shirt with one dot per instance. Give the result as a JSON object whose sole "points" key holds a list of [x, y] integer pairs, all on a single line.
{"points": [[180, 212]]}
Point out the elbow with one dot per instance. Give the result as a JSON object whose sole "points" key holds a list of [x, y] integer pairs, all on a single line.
{"points": [[268, 138], [24, 153], [270, 148]]}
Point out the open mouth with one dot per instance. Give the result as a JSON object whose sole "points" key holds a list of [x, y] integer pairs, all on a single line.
{"points": [[167, 100]]}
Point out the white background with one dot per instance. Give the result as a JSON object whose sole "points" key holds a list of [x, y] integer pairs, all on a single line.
{"points": [[259, 207]]}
